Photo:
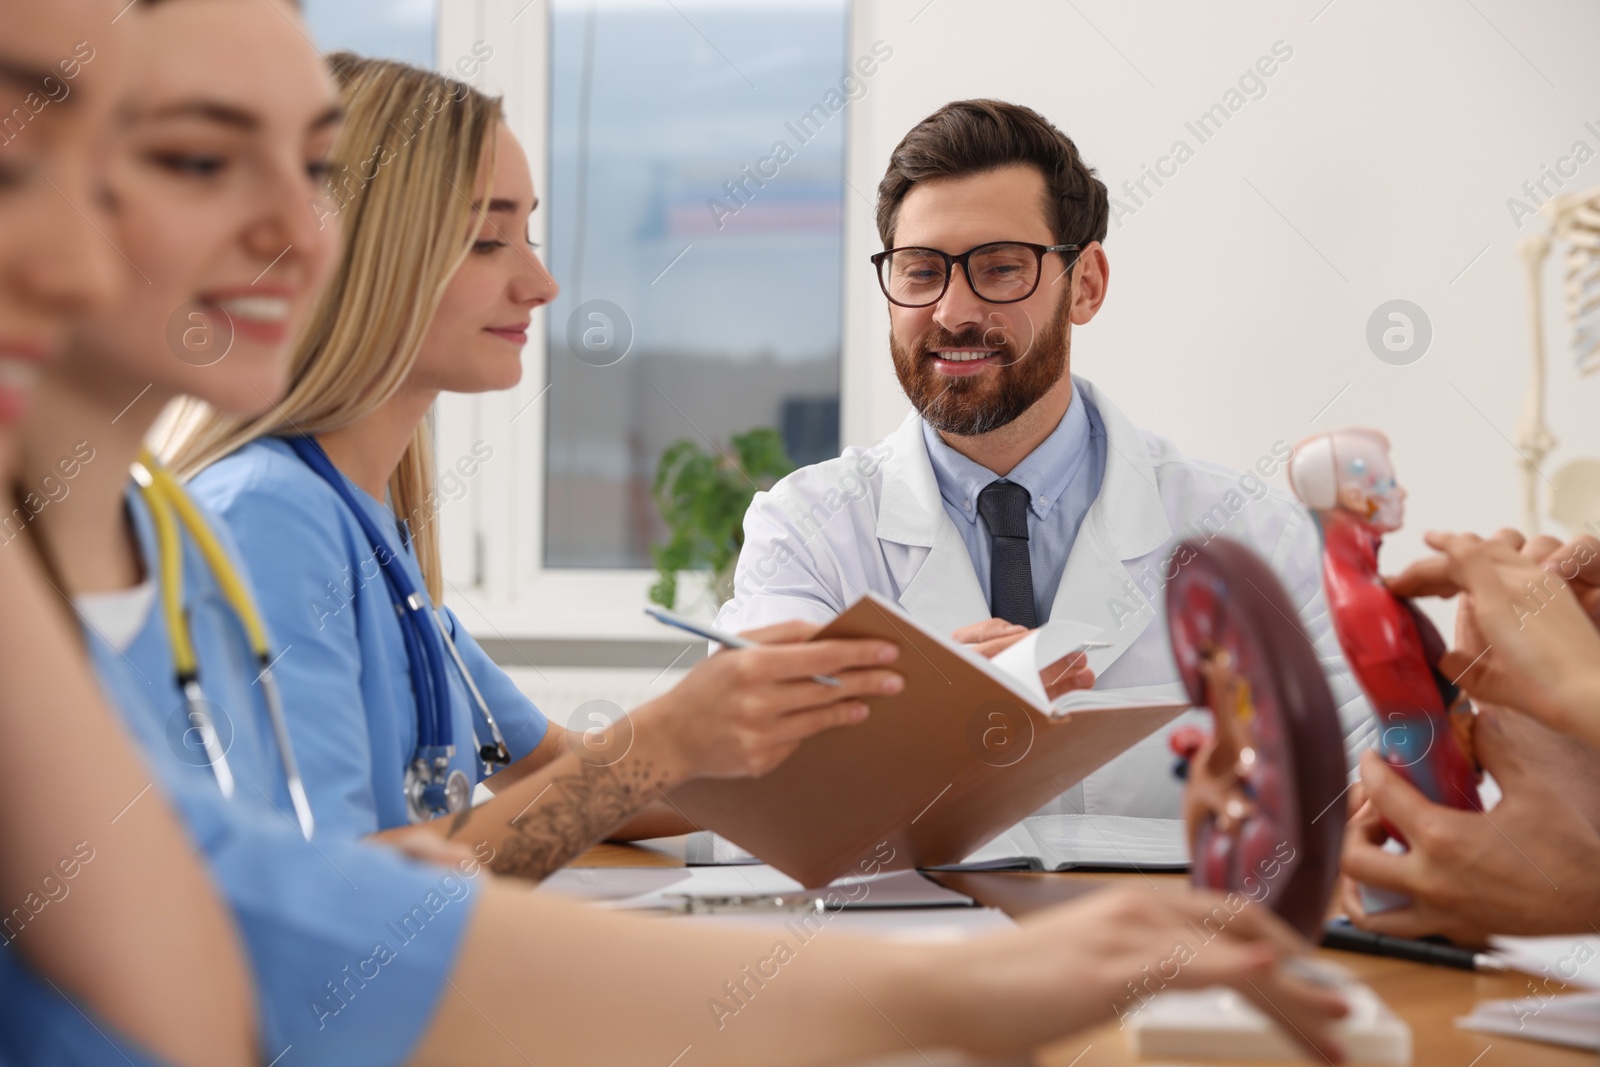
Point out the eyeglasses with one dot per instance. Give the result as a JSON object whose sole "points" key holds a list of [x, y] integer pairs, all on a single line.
{"points": [[1001, 272]]}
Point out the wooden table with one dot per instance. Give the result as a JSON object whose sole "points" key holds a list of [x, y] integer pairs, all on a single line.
{"points": [[1428, 998]]}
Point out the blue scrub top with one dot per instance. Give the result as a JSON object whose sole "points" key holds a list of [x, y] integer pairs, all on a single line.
{"points": [[39, 1024], [351, 944], [344, 673]]}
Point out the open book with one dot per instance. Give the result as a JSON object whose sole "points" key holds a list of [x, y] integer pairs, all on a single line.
{"points": [[1067, 842], [964, 752], [1037, 843]]}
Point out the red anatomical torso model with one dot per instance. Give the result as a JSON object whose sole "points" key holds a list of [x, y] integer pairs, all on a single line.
{"points": [[1393, 650]]}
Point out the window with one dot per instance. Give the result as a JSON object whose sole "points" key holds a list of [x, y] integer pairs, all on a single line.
{"points": [[392, 29], [695, 198]]}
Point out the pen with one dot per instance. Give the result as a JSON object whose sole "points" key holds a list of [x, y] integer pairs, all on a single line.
{"points": [[711, 633], [1339, 933]]}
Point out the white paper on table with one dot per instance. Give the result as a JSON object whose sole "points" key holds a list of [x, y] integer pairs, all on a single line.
{"points": [[886, 889], [1565, 1019], [610, 883], [1567, 958], [919, 925]]}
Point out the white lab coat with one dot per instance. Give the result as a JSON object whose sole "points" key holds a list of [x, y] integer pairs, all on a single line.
{"points": [[873, 520]]}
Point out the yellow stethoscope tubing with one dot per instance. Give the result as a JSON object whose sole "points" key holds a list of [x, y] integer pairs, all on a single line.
{"points": [[169, 506]]}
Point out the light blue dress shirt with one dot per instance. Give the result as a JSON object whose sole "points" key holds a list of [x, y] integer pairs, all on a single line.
{"points": [[1063, 477], [344, 672], [351, 944]]}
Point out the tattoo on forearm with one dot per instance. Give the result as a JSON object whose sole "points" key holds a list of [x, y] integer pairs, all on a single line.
{"points": [[574, 812]]}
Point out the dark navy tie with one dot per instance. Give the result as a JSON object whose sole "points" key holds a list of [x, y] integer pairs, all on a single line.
{"points": [[1004, 507]]}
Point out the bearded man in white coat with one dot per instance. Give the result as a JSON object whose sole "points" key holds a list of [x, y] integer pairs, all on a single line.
{"points": [[1017, 493]]}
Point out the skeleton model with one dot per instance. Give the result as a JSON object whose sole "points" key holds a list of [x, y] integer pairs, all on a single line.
{"points": [[1574, 221]]}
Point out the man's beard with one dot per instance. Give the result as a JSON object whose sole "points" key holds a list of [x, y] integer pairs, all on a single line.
{"points": [[984, 402]]}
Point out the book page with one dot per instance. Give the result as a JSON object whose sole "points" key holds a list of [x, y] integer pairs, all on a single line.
{"points": [[1132, 696], [1012, 850], [1121, 841], [1064, 842], [1015, 681], [1018, 667], [1026, 660]]}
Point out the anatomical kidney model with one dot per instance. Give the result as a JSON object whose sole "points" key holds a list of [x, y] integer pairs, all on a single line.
{"points": [[1264, 800]]}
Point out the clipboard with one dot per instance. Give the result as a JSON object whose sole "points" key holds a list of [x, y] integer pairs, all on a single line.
{"points": [[936, 771]]}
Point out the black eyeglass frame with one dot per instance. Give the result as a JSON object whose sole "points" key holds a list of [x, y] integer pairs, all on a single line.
{"points": [[1039, 252]]}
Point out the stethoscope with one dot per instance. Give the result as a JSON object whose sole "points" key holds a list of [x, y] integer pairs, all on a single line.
{"points": [[431, 787], [169, 506]]}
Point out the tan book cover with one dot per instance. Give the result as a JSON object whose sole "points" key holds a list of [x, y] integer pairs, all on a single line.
{"points": [[968, 748]]}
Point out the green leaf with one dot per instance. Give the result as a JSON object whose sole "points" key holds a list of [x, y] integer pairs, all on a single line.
{"points": [[703, 497]]}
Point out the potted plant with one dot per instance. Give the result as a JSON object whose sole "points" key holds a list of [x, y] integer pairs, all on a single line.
{"points": [[702, 497]]}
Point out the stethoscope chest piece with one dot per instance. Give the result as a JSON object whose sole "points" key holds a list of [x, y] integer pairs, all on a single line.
{"points": [[432, 792], [431, 788]]}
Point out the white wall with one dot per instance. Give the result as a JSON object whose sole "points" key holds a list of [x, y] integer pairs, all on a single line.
{"points": [[1376, 166]]}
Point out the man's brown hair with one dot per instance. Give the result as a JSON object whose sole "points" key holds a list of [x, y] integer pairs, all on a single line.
{"points": [[969, 137]]}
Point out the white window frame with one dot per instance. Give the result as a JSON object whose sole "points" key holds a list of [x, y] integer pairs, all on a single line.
{"points": [[492, 538]]}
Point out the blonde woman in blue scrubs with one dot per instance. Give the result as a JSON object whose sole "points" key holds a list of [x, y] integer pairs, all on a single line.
{"points": [[108, 922], [433, 295], [360, 956]]}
